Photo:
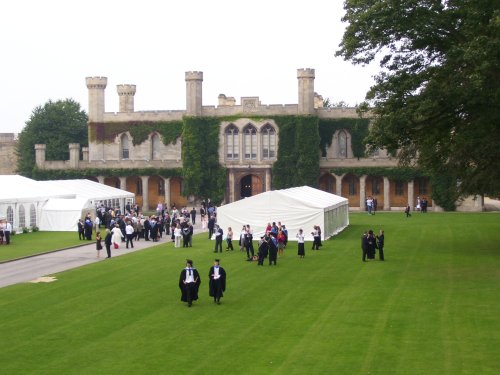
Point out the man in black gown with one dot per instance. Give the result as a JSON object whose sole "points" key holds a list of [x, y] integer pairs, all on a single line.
{"points": [[217, 284], [189, 282]]}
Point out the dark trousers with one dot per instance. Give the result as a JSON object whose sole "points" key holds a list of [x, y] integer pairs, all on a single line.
{"points": [[316, 243], [130, 238], [249, 247], [108, 250], [7, 237], [273, 257], [217, 289], [81, 235], [229, 244], [210, 232], [190, 292], [381, 252], [185, 240], [365, 253], [218, 243]]}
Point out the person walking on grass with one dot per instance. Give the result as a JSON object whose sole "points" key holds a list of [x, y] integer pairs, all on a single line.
{"points": [[108, 240], [218, 238], [380, 243], [217, 283], [229, 239], [300, 244], [189, 283], [129, 233], [98, 243]]}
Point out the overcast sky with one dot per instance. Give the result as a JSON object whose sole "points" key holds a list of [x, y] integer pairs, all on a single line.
{"points": [[243, 48]]}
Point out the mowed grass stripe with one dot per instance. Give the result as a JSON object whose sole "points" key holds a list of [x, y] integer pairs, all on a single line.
{"points": [[430, 308]]}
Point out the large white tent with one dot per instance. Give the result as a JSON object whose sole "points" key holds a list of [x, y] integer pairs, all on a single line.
{"points": [[53, 205], [299, 207]]}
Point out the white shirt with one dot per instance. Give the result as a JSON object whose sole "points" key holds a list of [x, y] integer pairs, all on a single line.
{"points": [[189, 275], [216, 272], [129, 229], [300, 238], [177, 232]]}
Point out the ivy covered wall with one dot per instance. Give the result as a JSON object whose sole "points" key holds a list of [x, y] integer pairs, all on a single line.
{"points": [[358, 129]]}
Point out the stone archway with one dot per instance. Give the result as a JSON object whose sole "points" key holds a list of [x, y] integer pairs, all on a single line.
{"points": [[250, 185]]}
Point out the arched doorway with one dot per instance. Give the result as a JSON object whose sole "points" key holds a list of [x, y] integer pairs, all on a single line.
{"points": [[327, 183], [250, 185]]}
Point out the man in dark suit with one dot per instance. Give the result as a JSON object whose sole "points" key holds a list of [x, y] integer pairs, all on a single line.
{"points": [[211, 226], [380, 243], [364, 245], [189, 283], [218, 238], [217, 284]]}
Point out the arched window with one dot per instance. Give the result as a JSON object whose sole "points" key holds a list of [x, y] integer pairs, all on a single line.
{"points": [[155, 147], [138, 186], [268, 142], [161, 186], [342, 144], [125, 150], [32, 216], [22, 217], [232, 143], [250, 142], [10, 215]]}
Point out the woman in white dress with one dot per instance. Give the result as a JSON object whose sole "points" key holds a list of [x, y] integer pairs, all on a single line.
{"points": [[177, 235], [116, 238]]}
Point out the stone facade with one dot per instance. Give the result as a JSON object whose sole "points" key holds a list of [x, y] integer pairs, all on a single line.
{"points": [[248, 148], [8, 156]]}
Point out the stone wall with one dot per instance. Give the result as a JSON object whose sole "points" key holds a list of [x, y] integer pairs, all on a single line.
{"points": [[8, 157]]}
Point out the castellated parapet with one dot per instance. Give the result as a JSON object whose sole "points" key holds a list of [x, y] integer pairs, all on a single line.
{"points": [[194, 84], [126, 94], [96, 86], [306, 91]]}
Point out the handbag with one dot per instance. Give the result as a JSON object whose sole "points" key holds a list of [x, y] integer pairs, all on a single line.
{"points": [[116, 245]]}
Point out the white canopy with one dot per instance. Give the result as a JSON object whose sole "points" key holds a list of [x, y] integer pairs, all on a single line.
{"points": [[53, 205], [300, 207]]}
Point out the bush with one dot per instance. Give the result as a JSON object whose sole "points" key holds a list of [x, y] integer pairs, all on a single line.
{"points": [[26, 230], [35, 229]]}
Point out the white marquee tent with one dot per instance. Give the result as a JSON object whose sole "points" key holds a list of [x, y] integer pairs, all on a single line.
{"points": [[53, 205], [299, 207]]}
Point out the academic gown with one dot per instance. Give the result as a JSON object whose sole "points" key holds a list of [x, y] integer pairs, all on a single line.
{"points": [[182, 286], [213, 284]]}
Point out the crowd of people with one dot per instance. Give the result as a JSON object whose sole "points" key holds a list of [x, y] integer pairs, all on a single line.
{"points": [[370, 243], [5, 232]]}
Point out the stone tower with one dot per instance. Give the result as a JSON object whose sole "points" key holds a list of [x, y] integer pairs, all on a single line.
{"points": [[126, 94], [96, 86], [194, 81], [306, 91]]}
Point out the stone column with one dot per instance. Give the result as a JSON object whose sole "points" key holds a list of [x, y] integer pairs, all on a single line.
{"points": [[126, 94], [123, 183], [167, 191], [411, 193], [74, 155], [194, 83], [387, 190], [338, 183], [40, 155], [96, 87], [268, 179], [231, 185], [306, 91], [145, 193], [362, 192], [85, 153]]}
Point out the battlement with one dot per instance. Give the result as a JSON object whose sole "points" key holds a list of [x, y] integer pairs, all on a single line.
{"points": [[306, 73], [128, 90], [96, 82], [194, 76]]}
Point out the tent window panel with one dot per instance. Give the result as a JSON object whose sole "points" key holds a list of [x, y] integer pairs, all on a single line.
{"points": [[32, 216], [10, 215], [22, 217]]}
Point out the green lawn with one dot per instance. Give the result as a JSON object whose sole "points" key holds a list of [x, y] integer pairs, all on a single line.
{"points": [[432, 307], [25, 244]]}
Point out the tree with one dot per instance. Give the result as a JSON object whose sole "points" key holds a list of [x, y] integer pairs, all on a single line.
{"points": [[55, 124], [436, 99]]}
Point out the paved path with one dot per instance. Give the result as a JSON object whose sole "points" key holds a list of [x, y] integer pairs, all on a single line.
{"points": [[28, 269]]}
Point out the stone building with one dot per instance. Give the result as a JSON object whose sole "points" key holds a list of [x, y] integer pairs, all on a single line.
{"points": [[248, 148], [8, 156]]}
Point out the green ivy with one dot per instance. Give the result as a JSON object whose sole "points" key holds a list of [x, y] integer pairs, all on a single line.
{"points": [[297, 163], [202, 172], [68, 174], [106, 132], [402, 174], [357, 127]]}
